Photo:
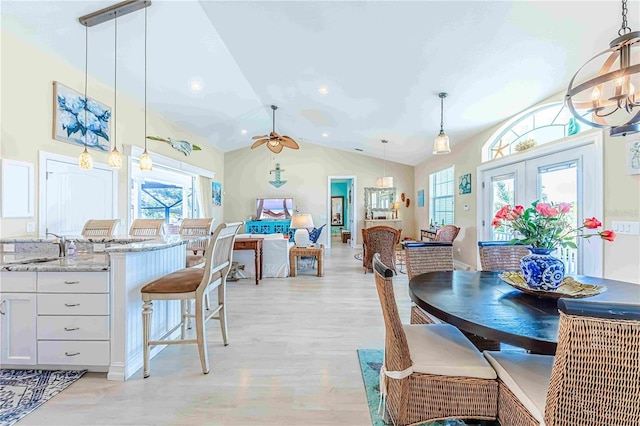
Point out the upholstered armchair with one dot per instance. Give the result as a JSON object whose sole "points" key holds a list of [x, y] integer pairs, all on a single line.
{"points": [[383, 240]]}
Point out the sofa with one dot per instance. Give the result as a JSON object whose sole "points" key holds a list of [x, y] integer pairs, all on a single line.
{"points": [[275, 256]]}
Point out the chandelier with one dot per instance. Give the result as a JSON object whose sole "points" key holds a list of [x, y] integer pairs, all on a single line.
{"points": [[612, 97]]}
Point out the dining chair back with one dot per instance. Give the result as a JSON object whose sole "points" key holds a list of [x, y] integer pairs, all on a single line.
{"points": [[501, 255], [383, 240], [146, 227], [99, 228], [427, 363], [447, 233], [594, 378], [196, 227], [190, 284], [423, 257]]}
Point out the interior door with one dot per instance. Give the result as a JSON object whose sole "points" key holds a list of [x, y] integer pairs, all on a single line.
{"points": [[74, 195]]}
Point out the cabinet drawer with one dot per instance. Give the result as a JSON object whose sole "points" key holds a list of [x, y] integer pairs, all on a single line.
{"points": [[18, 282], [73, 304], [73, 352], [73, 282], [73, 327]]}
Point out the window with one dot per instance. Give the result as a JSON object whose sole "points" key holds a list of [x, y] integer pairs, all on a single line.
{"points": [[541, 124], [441, 208]]}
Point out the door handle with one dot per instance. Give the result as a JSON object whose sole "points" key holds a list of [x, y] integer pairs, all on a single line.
{"points": [[71, 305], [72, 282], [71, 329], [1, 311], [72, 354]]}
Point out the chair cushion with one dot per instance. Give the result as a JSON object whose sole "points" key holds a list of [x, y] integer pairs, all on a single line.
{"points": [[527, 377], [442, 349], [194, 260], [181, 281]]}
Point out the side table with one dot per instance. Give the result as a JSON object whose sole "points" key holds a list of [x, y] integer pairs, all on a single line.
{"points": [[296, 252], [254, 244]]}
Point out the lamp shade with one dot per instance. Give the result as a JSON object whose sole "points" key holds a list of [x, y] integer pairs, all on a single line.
{"points": [[384, 182], [441, 144], [300, 221], [396, 205]]}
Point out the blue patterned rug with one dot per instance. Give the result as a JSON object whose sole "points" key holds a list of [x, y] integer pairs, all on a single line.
{"points": [[22, 391], [370, 364]]}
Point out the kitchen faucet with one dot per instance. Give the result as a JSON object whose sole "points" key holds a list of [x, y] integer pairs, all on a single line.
{"points": [[61, 242]]}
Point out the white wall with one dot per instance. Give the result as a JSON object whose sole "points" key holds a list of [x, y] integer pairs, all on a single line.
{"points": [[26, 115]]}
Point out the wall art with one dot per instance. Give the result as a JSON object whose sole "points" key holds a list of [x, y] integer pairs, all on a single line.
{"points": [[421, 198], [633, 157], [465, 184], [216, 193]]}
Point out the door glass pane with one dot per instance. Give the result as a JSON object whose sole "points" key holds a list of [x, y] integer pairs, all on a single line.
{"points": [[558, 183], [502, 193]]}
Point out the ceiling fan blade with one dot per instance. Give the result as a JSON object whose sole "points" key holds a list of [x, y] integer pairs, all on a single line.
{"points": [[275, 149], [260, 137], [258, 143], [289, 142]]}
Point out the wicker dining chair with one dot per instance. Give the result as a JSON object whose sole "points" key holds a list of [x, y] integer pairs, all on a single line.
{"points": [[447, 233], [196, 227], [190, 284], [594, 379], [423, 257], [501, 255], [383, 240], [99, 228], [146, 227], [429, 372]]}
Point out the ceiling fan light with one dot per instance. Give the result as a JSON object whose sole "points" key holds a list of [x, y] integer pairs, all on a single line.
{"points": [[441, 144], [273, 142]]}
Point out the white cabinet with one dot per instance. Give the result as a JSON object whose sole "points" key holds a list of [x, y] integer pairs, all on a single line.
{"points": [[18, 328]]}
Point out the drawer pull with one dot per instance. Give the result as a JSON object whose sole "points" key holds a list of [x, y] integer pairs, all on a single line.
{"points": [[72, 354], [72, 282], [71, 305], [71, 329]]}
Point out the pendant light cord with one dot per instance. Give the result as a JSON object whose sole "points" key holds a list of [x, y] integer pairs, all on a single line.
{"points": [[86, 77], [441, 114], [115, 81], [145, 79]]}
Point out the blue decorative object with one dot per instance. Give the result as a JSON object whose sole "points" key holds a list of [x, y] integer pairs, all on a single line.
{"points": [[314, 234], [22, 391], [269, 227], [421, 198], [542, 271], [277, 183], [216, 193], [465, 184], [574, 127]]}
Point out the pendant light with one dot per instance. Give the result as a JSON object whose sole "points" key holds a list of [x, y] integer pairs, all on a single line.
{"points": [[146, 164], [613, 96], [385, 181], [441, 142], [115, 158], [85, 161]]}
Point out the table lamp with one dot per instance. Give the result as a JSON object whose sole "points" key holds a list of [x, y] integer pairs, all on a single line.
{"points": [[301, 223], [396, 206]]}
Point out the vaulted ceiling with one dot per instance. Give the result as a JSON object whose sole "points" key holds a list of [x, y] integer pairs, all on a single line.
{"points": [[381, 64]]}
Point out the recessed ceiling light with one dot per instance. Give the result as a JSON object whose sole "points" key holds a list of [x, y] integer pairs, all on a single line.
{"points": [[323, 90], [243, 131], [326, 135], [195, 85]]}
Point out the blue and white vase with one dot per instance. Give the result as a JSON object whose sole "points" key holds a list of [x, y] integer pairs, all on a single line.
{"points": [[542, 271]]}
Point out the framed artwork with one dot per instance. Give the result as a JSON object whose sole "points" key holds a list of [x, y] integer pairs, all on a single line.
{"points": [[465, 184], [70, 124], [421, 198], [633, 157], [337, 210], [216, 193]]}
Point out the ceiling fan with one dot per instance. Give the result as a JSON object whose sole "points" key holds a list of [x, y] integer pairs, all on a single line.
{"points": [[274, 141]]}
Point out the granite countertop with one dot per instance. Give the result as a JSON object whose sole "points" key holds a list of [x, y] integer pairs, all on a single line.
{"points": [[86, 262], [124, 239], [163, 241]]}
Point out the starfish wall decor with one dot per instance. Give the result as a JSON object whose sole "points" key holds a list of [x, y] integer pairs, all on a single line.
{"points": [[498, 151]]}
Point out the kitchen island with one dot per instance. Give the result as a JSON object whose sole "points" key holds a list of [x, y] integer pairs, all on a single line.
{"points": [[84, 311]]}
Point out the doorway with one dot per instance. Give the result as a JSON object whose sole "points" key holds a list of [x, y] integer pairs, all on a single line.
{"points": [[342, 190]]}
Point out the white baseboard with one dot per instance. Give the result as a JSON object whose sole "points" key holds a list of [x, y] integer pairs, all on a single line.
{"points": [[460, 266]]}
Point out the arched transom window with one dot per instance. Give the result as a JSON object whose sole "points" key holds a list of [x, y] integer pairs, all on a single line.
{"points": [[537, 126]]}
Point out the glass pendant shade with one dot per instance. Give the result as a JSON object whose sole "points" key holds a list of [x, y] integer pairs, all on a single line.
{"points": [[115, 159], [85, 161], [441, 144], [384, 182], [146, 163]]}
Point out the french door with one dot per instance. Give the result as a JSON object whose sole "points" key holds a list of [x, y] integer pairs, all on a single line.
{"points": [[570, 174]]}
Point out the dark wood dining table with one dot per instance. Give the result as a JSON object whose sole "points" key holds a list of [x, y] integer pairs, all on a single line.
{"points": [[482, 304]]}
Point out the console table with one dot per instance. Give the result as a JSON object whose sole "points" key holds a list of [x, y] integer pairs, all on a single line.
{"points": [[428, 234], [296, 252], [269, 227], [254, 244]]}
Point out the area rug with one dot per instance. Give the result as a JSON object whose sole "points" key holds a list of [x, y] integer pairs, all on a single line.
{"points": [[370, 364], [22, 391], [400, 260]]}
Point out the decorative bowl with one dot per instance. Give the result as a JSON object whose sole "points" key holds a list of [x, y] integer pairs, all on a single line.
{"points": [[568, 288]]}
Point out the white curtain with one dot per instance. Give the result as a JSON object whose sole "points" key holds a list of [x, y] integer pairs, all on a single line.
{"points": [[205, 201]]}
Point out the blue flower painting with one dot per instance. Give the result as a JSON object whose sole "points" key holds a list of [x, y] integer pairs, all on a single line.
{"points": [[71, 124], [216, 193]]}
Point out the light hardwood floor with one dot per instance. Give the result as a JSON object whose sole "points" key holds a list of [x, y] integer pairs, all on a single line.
{"points": [[291, 359]]}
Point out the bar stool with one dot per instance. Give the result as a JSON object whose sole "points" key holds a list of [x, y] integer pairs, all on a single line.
{"points": [[146, 227], [188, 284], [99, 227]]}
